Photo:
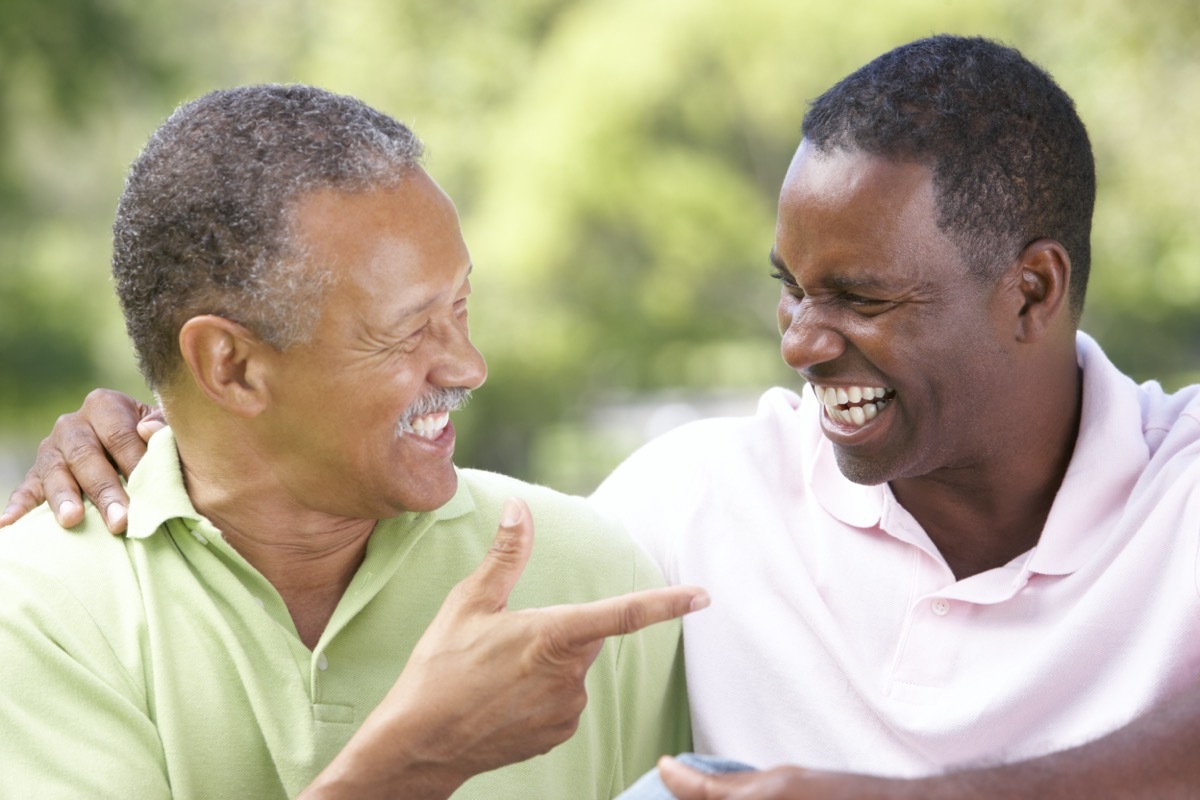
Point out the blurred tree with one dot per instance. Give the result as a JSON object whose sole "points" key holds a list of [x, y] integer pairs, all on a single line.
{"points": [[616, 164], [61, 61]]}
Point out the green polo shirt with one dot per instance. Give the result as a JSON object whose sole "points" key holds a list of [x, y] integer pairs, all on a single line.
{"points": [[161, 664]]}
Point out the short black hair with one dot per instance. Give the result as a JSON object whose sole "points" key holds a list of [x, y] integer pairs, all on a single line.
{"points": [[1010, 157]]}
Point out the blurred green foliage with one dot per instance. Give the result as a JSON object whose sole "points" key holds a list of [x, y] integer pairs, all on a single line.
{"points": [[616, 164]]}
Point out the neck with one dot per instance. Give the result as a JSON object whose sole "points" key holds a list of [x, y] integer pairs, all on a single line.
{"points": [[985, 514], [309, 556]]}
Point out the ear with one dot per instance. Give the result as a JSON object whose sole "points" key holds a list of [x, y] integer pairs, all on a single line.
{"points": [[227, 362], [1045, 272]]}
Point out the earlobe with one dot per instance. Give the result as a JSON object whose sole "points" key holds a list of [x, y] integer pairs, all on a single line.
{"points": [[226, 361], [1045, 270]]}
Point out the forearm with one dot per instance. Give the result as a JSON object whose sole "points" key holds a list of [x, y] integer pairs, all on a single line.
{"points": [[392, 756], [1155, 756]]}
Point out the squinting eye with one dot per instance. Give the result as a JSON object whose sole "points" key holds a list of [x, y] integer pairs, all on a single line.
{"points": [[857, 300], [787, 280], [867, 304]]}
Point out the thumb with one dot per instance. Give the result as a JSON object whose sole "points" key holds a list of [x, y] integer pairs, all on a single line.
{"points": [[152, 422], [493, 580], [682, 781]]}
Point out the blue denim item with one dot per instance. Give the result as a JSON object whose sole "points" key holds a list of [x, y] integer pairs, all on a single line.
{"points": [[649, 787]]}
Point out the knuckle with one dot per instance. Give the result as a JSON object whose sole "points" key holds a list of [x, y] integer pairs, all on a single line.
{"points": [[634, 617], [78, 447], [577, 703], [124, 439], [504, 548], [22, 495], [567, 729], [64, 422], [98, 397], [552, 643]]}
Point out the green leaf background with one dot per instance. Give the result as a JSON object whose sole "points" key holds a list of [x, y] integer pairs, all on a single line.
{"points": [[616, 165]]}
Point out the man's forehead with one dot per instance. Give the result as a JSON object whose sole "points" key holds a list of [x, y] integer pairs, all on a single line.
{"points": [[840, 170]]}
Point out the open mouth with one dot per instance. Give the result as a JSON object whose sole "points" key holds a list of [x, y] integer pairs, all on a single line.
{"points": [[428, 426], [429, 415], [853, 405]]}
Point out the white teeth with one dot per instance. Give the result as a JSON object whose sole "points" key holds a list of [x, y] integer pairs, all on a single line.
{"points": [[430, 426], [854, 405]]}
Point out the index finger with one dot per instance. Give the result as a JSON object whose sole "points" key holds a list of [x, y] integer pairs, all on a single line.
{"points": [[631, 612]]}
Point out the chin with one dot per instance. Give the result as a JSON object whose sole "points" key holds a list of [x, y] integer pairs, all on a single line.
{"points": [[425, 498], [868, 472]]}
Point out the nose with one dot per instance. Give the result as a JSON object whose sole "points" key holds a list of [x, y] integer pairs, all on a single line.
{"points": [[459, 363], [807, 338]]}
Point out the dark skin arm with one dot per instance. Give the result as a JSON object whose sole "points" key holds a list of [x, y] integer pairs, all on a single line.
{"points": [[1154, 756]]}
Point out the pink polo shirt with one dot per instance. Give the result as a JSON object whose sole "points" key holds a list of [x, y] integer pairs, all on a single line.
{"points": [[839, 639]]}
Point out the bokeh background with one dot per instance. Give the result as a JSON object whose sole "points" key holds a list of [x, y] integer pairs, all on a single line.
{"points": [[616, 165]]}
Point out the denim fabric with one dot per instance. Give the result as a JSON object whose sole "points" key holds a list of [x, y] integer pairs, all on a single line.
{"points": [[649, 787]]}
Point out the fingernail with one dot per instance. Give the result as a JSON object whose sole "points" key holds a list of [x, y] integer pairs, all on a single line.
{"points": [[67, 507], [512, 513], [115, 514], [700, 601]]}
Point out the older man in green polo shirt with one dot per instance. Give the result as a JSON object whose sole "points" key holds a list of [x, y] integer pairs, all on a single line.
{"points": [[285, 266]]}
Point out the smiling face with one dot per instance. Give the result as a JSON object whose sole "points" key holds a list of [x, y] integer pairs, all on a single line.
{"points": [[358, 422], [910, 356]]}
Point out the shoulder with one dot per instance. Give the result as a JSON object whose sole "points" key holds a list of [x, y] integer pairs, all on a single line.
{"points": [[70, 593], [707, 441], [552, 510], [82, 577], [1170, 418], [574, 542], [1168, 422], [84, 556], [713, 453]]}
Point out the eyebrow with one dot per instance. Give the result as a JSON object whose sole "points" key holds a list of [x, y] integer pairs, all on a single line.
{"points": [[775, 260], [837, 282]]}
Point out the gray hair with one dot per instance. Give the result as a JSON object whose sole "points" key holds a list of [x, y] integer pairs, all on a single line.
{"points": [[204, 225]]}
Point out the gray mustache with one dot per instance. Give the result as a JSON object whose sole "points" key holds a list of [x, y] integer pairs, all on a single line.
{"points": [[433, 401]]}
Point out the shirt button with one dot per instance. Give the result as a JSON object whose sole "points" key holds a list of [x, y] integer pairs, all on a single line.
{"points": [[322, 662], [258, 601], [940, 607]]}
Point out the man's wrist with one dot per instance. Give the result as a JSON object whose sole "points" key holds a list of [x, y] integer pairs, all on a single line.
{"points": [[368, 778]]}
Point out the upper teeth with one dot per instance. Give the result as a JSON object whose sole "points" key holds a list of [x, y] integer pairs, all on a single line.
{"points": [[429, 426], [853, 405]]}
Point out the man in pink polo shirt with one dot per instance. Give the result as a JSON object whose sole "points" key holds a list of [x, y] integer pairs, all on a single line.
{"points": [[965, 556], [963, 562]]}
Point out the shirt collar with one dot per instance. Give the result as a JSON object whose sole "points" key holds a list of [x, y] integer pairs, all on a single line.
{"points": [[1110, 454], [156, 489], [1095, 483], [157, 493]]}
